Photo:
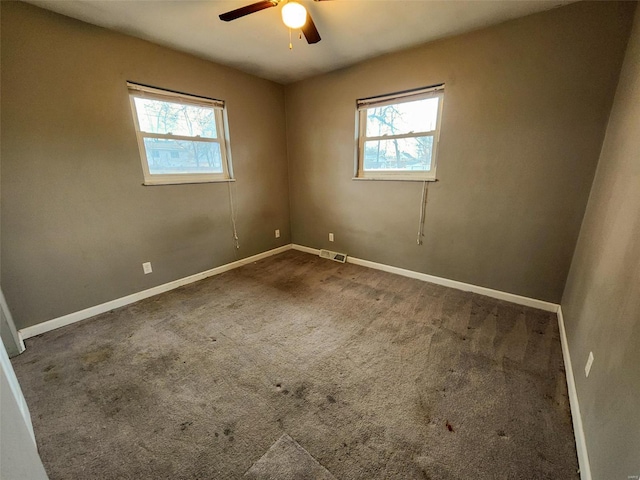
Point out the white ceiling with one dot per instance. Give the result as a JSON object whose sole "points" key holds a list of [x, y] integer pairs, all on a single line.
{"points": [[351, 30]]}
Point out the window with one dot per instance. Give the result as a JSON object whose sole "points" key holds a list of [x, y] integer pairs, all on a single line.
{"points": [[182, 138], [398, 135]]}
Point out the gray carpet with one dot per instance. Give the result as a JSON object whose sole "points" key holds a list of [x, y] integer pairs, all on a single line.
{"points": [[287, 460], [377, 376]]}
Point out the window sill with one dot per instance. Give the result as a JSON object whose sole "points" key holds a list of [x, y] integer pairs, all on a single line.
{"points": [[155, 183], [398, 178]]}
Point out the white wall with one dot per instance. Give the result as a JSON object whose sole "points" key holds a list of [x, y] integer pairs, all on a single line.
{"points": [[8, 333], [19, 459]]}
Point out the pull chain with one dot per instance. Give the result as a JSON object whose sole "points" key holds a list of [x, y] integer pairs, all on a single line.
{"points": [[290, 44], [423, 206]]}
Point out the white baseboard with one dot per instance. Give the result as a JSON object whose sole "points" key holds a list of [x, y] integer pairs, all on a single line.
{"points": [[467, 287], [302, 248], [578, 431], [121, 302]]}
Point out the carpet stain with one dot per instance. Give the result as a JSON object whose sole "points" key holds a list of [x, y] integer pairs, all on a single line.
{"points": [[301, 392], [51, 376], [112, 400], [291, 286], [97, 356], [162, 364]]}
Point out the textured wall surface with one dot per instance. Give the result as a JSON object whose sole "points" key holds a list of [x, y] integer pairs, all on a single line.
{"points": [[525, 111], [601, 304], [76, 221]]}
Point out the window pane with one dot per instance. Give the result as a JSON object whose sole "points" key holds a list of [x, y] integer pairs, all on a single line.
{"points": [[156, 116], [182, 156], [401, 118], [406, 154]]}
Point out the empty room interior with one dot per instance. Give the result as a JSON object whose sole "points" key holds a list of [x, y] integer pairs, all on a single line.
{"points": [[318, 239]]}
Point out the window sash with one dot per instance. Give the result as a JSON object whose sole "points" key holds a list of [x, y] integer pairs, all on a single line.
{"points": [[371, 173], [141, 91], [188, 138], [430, 133]]}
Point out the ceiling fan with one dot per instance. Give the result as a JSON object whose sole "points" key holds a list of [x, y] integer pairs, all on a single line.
{"points": [[294, 15]]}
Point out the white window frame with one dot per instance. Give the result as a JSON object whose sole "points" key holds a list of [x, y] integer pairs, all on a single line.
{"points": [[362, 105], [222, 136]]}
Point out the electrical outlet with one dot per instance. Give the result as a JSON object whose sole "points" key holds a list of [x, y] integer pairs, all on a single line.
{"points": [[587, 367], [331, 237], [278, 233], [146, 268]]}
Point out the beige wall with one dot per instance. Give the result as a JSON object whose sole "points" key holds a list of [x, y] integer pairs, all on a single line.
{"points": [[525, 109], [76, 221], [601, 304]]}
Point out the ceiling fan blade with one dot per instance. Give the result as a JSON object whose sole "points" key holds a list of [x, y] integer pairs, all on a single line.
{"points": [[241, 12], [310, 31]]}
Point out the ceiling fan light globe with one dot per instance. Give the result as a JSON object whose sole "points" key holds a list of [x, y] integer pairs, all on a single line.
{"points": [[294, 15]]}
